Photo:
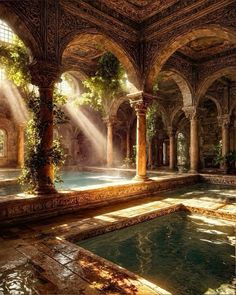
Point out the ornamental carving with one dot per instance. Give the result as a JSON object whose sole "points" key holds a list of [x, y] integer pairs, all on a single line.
{"points": [[43, 74]]}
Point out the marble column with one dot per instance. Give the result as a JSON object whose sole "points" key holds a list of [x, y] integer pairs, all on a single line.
{"points": [[128, 153], [225, 127], [21, 145], [191, 113], [44, 75], [139, 103], [110, 124], [172, 164]]}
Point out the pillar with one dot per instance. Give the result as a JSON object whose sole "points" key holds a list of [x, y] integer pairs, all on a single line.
{"points": [[225, 127], [172, 163], [139, 103], [21, 145], [110, 123], [44, 76], [128, 154], [191, 113]]}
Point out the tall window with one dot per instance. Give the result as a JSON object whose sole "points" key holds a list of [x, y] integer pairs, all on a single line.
{"points": [[2, 143], [6, 33]]}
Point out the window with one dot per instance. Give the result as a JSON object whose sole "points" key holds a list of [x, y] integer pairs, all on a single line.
{"points": [[2, 143], [6, 33]]}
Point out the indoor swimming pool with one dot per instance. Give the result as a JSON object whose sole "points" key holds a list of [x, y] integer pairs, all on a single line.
{"points": [[181, 253]]}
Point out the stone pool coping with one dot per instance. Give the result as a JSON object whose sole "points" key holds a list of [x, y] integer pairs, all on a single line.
{"points": [[49, 248], [22, 207]]}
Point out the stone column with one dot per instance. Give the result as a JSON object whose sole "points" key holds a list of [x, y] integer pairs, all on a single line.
{"points": [[128, 154], [21, 145], [110, 124], [139, 103], [172, 164], [225, 127], [44, 76], [191, 113]]}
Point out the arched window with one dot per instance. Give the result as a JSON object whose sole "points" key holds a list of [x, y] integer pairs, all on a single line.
{"points": [[6, 33], [3, 143]]}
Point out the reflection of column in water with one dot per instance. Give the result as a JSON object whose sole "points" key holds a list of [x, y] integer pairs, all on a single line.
{"points": [[144, 252]]}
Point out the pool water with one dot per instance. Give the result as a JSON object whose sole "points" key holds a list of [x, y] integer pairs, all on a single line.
{"points": [[184, 254], [71, 179]]}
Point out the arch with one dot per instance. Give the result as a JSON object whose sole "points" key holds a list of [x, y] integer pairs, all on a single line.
{"points": [[216, 102], [163, 54], [110, 45], [116, 103], [21, 30], [175, 117], [208, 81], [183, 84]]}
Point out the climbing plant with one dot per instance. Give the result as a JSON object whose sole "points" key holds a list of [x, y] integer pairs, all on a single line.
{"points": [[152, 116], [14, 60], [108, 82]]}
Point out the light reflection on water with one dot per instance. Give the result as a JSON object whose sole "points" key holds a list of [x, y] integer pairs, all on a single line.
{"points": [[172, 251]]}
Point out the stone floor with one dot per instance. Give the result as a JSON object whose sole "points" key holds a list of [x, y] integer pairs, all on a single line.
{"points": [[40, 258]]}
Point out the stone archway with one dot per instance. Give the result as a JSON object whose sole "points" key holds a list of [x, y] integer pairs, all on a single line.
{"points": [[173, 45], [104, 43], [203, 87], [183, 84]]}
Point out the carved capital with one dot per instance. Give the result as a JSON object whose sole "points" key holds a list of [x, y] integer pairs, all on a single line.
{"points": [[110, 120], [171, 131], [191, 112], [139, 101], [224, 121], [43, 74]]}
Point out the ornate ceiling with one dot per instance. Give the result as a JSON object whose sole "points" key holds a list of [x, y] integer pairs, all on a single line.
{"points": [[205, 47], [137, 10]]}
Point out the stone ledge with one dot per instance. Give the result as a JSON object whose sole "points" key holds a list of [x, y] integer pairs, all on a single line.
{"points": [[27, 207], [218, 179]]}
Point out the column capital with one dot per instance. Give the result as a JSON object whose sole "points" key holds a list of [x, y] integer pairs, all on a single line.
{"points": [[139, 101], [110, 120], [44, 74], [224, 120], [191, 112], [171, 131]]}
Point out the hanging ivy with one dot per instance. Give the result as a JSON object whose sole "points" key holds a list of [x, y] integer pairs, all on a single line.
{"points": [[152, 117], [108, 82], [14, 60]]}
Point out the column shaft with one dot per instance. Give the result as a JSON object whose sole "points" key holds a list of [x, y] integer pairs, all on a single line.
{"points": [[109, 144], [21, 144], [194, 145], [141, 157], [172, 163]]}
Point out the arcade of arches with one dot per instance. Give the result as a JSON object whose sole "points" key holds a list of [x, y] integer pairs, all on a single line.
{"points": [[188, 71], [175, 119]]}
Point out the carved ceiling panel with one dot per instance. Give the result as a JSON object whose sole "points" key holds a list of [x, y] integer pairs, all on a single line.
{"points": [[205, 47], [136, 10]]}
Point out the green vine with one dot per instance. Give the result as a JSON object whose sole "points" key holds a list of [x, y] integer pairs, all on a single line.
{"points": [[14, 60], [152, 116], [106, 84]]}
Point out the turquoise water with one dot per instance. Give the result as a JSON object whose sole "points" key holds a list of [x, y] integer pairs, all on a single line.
{"points": [[181, 253], [71, 179]]}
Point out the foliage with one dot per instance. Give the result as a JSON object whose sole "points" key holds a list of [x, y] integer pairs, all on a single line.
{"points": [[181, 150], [152, 116], [106, 84], [218, 151], [14, 60], [128, 162]]}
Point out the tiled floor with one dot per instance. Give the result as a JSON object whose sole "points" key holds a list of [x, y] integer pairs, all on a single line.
{"points": [[36, 258]]}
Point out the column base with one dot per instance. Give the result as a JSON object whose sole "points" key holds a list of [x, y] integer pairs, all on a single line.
{"points": [[191, 171], [141, 178], [45, 190]]}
